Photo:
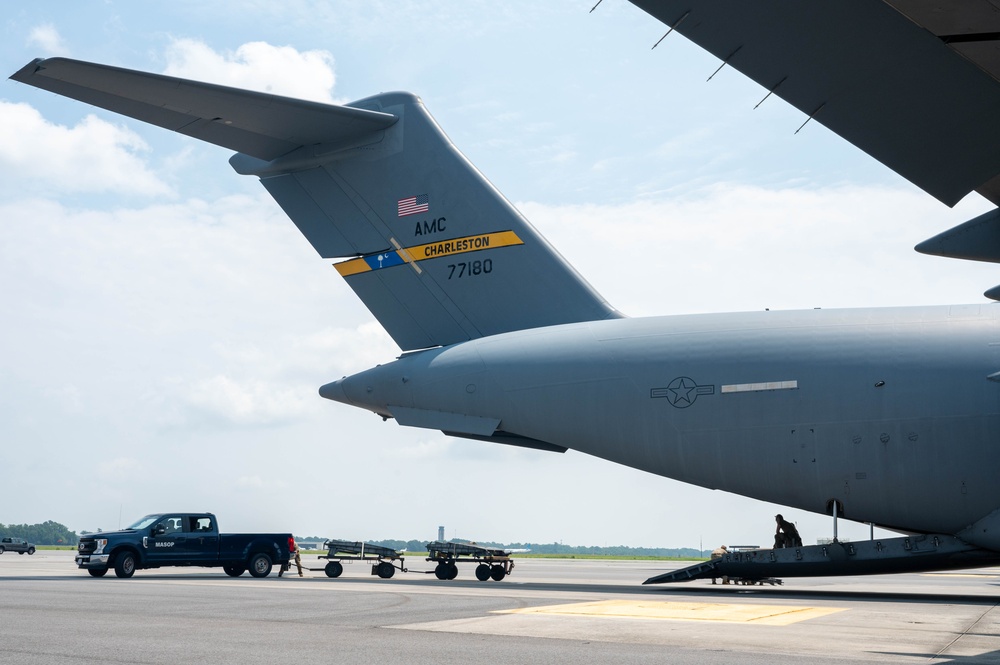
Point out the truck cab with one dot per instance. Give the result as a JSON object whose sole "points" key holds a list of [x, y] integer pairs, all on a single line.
{"points": [[193, 538]]}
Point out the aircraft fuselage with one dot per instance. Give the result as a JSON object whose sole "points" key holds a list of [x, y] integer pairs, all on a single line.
{"points": [[887, 411]]}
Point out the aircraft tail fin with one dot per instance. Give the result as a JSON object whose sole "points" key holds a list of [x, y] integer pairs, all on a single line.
{"points": [[434, 251], [438, 254]]}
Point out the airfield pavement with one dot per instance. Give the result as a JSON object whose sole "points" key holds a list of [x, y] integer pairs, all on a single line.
{"points": [[548, 611]]}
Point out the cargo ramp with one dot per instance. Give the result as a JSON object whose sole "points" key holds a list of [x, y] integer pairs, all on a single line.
{"points": [[911, 554]]}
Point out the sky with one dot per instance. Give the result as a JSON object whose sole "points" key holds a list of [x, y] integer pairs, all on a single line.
{"points": [[165, 327]]}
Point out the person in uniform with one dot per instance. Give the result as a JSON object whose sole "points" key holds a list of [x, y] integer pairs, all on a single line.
{"points": [[786, 535], [298, 559], [718, 553]]}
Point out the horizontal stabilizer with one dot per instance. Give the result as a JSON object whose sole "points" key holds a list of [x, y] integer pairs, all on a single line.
{"points": [[255, 123]]}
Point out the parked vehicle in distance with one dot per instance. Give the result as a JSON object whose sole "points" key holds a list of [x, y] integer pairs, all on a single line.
{"points": [[19, 545], [183, 539]]}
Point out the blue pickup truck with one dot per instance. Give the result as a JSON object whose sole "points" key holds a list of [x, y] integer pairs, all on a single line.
{"points": [[183, 539]]}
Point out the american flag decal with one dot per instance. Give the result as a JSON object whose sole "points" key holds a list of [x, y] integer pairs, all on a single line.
{"points": [[412, 205]]}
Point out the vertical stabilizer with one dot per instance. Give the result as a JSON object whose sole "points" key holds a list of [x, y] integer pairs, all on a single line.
{"points": [[435, 251]]}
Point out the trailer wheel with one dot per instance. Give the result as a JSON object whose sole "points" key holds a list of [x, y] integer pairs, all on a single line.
{"points": [[498, 573], [386, 570], [260, 565], [334, 569], [482, 572], [97, 572], [125, 565], [233, 571], [441, 571], [452, 571]]}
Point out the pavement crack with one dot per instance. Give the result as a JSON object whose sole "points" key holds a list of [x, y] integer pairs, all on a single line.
{"points": [[964, 633]]}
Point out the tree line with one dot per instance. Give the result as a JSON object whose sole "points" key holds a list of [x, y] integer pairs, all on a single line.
{"points": [[46, 533], [53, 533], [539, 548]]}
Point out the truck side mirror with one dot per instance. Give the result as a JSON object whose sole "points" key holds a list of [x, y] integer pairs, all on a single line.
{"points": [[159, 530]]}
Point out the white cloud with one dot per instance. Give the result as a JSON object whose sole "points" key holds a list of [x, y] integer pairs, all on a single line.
{"points": [[120, 469], [47, 38], [436, 448], [93, 156], [732, 247], [355, 349], [281, 70], [256, 483], [246, 402], [225, 307]]}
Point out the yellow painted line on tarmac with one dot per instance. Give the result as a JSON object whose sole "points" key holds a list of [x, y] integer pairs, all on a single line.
{"points": [[765, 615]]}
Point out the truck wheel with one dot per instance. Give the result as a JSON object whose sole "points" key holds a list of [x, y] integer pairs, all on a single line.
{"points": [[334, 569], [386, 570], [482, 572], [260, 565], [125, 565], [2, 550], [234, 571], [21, 552], [31, 550], [97, 572]]}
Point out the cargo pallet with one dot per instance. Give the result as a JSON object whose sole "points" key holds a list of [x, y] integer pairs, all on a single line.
{"points": [[385, 560], [492, 563]]}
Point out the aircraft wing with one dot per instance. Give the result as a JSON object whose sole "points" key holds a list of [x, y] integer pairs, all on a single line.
{"points": [[915, 84], [255, 123]]}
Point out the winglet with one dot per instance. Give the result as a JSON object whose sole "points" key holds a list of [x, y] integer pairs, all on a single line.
{"points": [[24, 73]]}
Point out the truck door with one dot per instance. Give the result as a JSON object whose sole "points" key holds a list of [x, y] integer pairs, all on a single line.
{"points": [[167, 540], [202, 541]]}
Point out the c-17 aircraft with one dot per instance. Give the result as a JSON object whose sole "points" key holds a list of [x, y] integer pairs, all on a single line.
{"points": [[889, 416]]}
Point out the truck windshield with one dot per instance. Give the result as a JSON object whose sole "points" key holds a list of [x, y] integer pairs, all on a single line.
{"points": [[143, 523]]}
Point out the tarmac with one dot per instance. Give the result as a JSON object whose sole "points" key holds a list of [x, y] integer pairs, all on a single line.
{"points": [[547, 611]]}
